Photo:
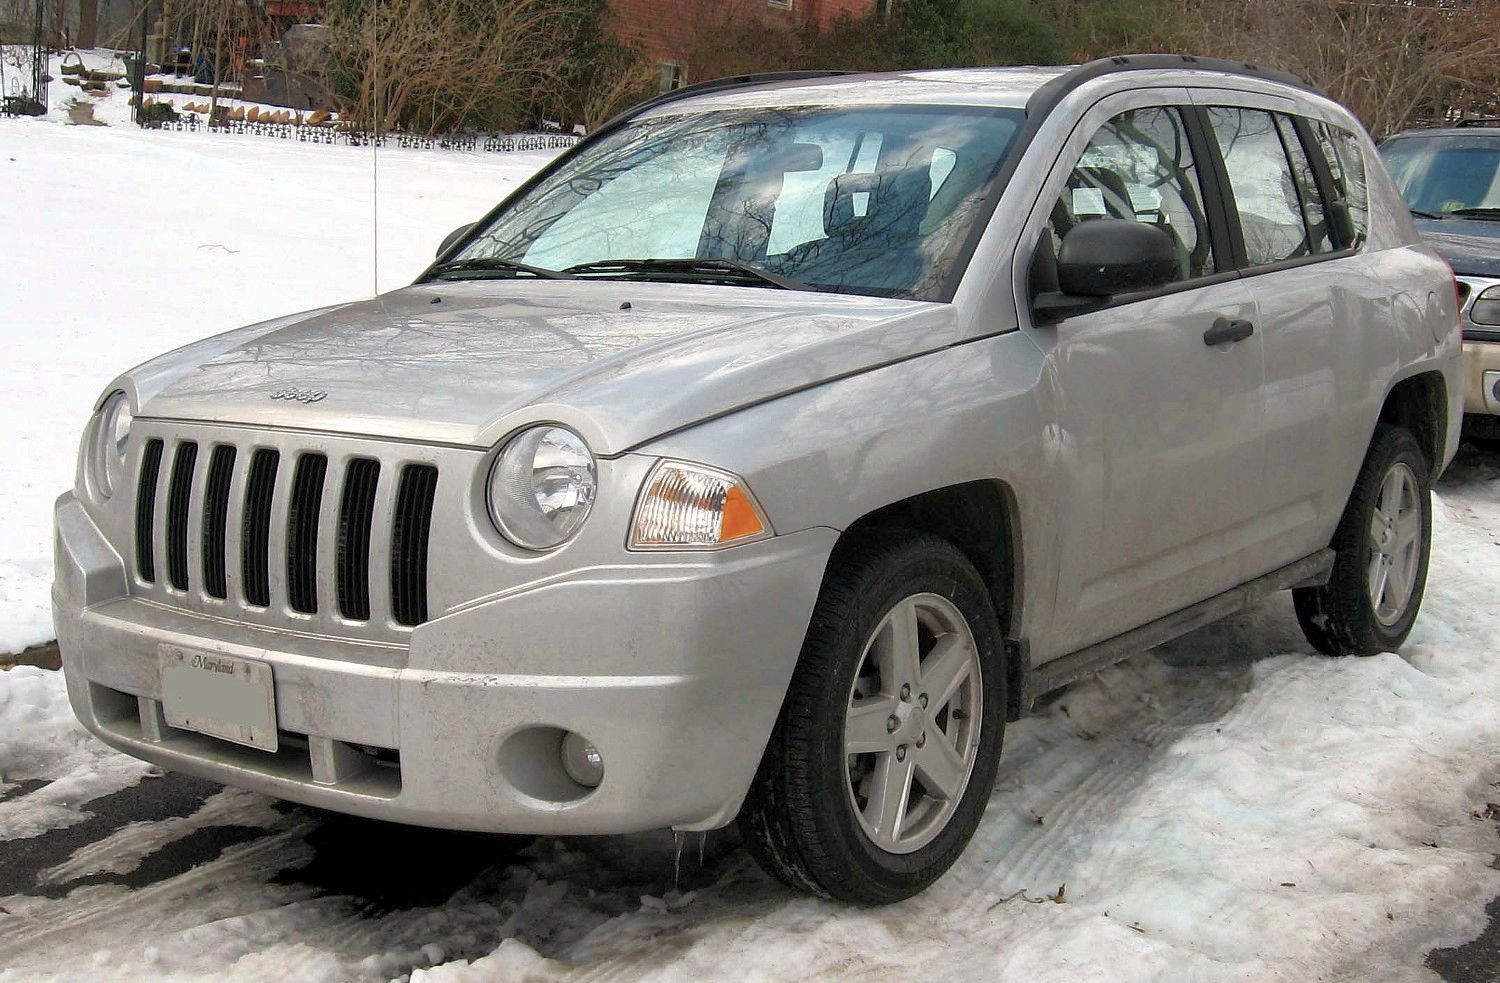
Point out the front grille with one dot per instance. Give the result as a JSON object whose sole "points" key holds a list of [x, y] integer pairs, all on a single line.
{"points": [[179, 496], [337, 525], [356, 514], [216, 520], [409, 544], [302, 533], [255, 542], [145, 512]]}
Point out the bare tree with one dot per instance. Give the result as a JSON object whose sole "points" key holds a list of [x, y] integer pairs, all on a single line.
{"points": [[436, 66], [1393, 62]]}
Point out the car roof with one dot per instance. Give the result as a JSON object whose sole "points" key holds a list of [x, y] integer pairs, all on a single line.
{"points": [[1482, 131], [1029, 87], [1008, 87]]}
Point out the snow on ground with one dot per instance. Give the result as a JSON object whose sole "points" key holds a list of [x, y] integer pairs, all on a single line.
{"points": [[1226, 808], [121, 244]]}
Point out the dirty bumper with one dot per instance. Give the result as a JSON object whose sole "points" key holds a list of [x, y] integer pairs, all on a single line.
{"points": [[672, 667]]}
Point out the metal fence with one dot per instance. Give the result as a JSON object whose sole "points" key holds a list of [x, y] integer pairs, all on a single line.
{"points": [[490, 142]]}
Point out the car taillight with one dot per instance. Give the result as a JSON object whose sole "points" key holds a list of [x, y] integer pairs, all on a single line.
{"points": [[1460, 289]]}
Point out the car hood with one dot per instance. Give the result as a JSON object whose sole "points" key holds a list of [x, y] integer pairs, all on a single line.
{"points": [[1471, 246], [465, 362]]}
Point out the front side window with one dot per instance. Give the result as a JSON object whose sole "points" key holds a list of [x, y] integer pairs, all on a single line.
{"points": [[875, 201], [1260, 177], [1139, 167]]}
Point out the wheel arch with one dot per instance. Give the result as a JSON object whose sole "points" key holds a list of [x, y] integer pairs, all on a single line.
{"points": [[981, 518], [1419, 404]]}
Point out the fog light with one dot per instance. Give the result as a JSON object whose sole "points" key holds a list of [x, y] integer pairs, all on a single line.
{"points": [[582, 761]]}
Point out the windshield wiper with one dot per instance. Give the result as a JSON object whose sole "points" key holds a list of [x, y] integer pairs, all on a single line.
{"points": [[1421, 214], [491, 264], [1491, 213], [694, 268]]}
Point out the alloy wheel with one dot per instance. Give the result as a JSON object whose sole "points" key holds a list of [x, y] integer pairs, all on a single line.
{"points": [[1395, 544], [911, 731]]}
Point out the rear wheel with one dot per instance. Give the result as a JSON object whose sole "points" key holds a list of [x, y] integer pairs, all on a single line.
{"points": [[1382, 546], [886, 749]]}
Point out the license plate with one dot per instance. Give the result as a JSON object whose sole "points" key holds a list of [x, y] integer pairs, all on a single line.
{"points": [[219, 695]]}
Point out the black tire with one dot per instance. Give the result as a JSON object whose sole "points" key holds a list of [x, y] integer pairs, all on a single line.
{"points": [[1339, 618], [798, 821]]}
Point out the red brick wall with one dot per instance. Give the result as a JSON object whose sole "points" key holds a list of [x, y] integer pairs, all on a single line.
{"points": [[665, 28]]}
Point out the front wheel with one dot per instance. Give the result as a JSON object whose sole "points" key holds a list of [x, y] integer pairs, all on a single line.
{"points": [[886, 749], [1382, 546]]}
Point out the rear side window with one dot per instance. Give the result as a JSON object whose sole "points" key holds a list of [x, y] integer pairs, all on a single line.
{"points": [[1346, 163], [1265, 190], [1139, 167], [1319, 236]]}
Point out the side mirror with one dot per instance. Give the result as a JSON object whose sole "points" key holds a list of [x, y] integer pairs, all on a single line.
{"points": [[1103, 257], [454, 236]]}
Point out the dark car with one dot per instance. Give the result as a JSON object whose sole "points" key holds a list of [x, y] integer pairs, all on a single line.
{"points": [[1451, 179]]}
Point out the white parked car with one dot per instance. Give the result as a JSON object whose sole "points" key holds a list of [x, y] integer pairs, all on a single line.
{"points": [[770, 450]]}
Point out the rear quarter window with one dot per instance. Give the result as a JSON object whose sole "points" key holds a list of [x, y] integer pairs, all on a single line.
{"points": [[1346, 163]]}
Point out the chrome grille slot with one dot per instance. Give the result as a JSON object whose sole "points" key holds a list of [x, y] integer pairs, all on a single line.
{"points": [[179, 494], [302, 533], [145, 512], [255, 555], [216, 520], [409, 532], [356, 516]]}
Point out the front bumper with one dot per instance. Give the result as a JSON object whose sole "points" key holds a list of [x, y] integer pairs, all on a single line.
{"points": [[1482, 377], [673, 666]]}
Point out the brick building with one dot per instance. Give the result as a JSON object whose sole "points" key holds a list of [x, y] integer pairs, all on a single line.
{"points": [[665, 29]]}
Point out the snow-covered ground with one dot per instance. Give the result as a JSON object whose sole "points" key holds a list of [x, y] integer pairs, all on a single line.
{"points": [[120, 244], [1226, 808]]}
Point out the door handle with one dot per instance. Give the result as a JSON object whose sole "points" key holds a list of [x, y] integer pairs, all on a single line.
{"points": [[1227, 331]]}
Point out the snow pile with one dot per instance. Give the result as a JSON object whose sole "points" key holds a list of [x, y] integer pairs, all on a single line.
{"points": [[40, 741], [134, 242], [1210, 811], [1285, 817]]}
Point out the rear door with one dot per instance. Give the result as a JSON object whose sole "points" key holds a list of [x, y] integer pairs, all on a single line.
{"points": [[1159, 436], [1296, 233]]}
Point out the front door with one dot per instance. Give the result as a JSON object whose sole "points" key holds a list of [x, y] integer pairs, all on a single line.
{"points": [[1160, 434]]}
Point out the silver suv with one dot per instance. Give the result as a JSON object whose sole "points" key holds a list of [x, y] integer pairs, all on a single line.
{"points": [[768, 452]]}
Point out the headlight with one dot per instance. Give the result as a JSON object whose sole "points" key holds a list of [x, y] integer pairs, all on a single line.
{"points": [[542, 487], [109, 443], [689, 506], [1486, 309]]}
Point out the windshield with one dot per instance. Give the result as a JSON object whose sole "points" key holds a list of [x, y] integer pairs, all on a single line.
{"points": [[875, 201], [1442, 174]]}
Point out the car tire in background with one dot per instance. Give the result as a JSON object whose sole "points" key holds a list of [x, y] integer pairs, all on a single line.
{"points": [[1382, 546], [883, 758]]}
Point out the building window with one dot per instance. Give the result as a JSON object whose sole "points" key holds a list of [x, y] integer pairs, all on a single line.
{"points": [[671, 76], [784, 4]]}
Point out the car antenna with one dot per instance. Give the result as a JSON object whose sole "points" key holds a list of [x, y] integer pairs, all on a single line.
{"points": [[375, 155]]}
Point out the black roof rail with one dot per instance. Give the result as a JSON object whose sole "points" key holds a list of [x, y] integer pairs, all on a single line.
{"points": [[718, 85], [1478, 121], [1053, 91]]}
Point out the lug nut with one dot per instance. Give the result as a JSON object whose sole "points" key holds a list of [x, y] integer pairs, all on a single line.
{"points": [[922, 739], [891, 723], [905, 692], [901, 753], [923, 700]]}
